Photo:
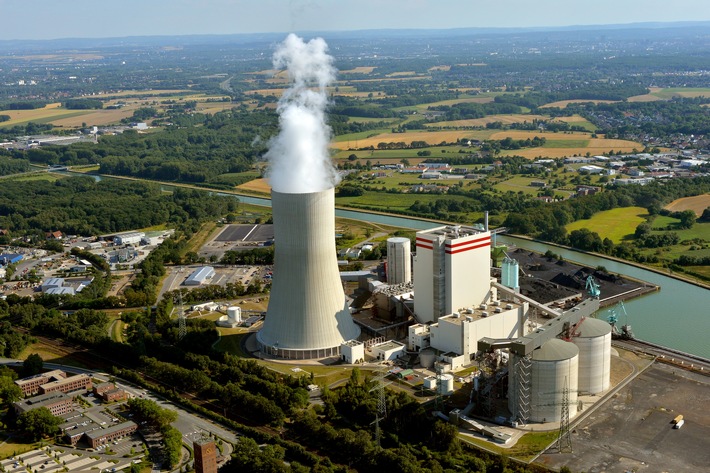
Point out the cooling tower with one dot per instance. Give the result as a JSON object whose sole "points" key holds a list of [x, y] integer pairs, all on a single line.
{"points": [[308, 316]]}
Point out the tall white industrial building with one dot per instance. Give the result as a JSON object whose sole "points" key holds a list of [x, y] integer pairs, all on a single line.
{"points": [[399, 260], [451, 270], [308, 315]]}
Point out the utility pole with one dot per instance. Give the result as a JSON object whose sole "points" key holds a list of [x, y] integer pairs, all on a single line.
{"points": [[564, 440]]}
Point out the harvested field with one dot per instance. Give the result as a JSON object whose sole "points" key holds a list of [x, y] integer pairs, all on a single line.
{"points": [[266, 92], [431, 137], [448, 103], [257, 185], [564, 103], [650, 97], [359, 70], [440, 68], [94, 118], [696, 203], [524, 135], [402, 74], [556, 148], [479, 122]]}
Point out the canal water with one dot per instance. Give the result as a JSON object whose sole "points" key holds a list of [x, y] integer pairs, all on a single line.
{"points": [[677, 316]]}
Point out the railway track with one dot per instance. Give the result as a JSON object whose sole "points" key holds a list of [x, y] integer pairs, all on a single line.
{"points": [[667, 355]]}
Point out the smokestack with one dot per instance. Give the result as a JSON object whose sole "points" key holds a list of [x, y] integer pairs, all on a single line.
{"points": [[308, 315]]}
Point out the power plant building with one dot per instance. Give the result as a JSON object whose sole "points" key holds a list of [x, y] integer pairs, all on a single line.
{"points": [[451, 271], [308, 315], [399, 260]]}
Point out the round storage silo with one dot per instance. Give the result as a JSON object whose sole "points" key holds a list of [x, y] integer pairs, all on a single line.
{"points": [[553, 366], [234, 315], [594, 343], [447, 384], [427, 357]]}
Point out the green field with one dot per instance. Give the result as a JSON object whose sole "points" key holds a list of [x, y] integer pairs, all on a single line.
{"points": [[616, 224], [566, 144], [382, 201], [672, 92]]}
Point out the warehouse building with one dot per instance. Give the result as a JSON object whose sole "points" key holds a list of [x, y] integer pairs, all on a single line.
{"points": [[132, 238], [200, 276]]}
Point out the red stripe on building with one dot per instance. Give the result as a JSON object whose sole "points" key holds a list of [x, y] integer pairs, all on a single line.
{"points": [[469, 242], [420, 245], [461, 250]]}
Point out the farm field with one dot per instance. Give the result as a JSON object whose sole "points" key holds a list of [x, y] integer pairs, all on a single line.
{"points": [[565, 144], [615, 224], [260, 186], [431, 137], [479, 122], [359, 70], [696, 203], [391, 202], [564, 103], [61, 117]]}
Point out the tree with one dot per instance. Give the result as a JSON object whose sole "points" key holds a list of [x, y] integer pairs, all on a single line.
{"points": [[687, 219], [33, 365], [9, 391], [39, 423]]}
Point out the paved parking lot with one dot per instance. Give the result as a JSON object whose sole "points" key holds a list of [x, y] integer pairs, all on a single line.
{"points": [[633, 430], [54, 459]]}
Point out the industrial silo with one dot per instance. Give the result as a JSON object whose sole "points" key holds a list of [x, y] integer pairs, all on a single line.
{"points": [[308, 315], [399, 260], [537, 386], [427, 357], [594, 343]]}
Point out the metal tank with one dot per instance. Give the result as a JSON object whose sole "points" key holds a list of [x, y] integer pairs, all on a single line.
{"points": [[399, 260], [594, 343], [427, 357], [447, 384], [552, 369], [234, 315], [308, 315]]}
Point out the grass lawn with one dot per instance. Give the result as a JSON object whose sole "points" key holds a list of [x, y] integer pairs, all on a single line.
{"points": [[9, 448], [47, 176], [526, 448], [517, 184], [616, 224]]}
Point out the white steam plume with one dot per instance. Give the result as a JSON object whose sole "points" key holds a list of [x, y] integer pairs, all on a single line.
{"points": [[298, 156]]}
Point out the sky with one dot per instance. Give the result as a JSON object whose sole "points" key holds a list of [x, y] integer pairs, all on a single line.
{"points": [[52, 19]]}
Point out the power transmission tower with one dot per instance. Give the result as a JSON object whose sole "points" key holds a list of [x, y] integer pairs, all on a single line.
{"points": [[564, 440], [182, 329], [379, 388]]}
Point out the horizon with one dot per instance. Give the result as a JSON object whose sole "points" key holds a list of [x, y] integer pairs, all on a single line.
{"points": [[84, 20]]}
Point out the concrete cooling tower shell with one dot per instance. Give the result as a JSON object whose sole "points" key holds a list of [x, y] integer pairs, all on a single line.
{"points": [[308, 315], [553, 364], [594, 343]]}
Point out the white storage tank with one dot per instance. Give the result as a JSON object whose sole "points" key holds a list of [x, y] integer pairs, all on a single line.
{"points": [[555, 362], [399, 260], [427, 357], [447, 384], [234, 315], [430, 382], [594, 343]]}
